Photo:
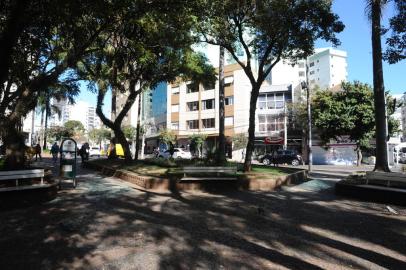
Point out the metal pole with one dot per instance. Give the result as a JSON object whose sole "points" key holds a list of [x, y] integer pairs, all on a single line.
{"points": [[285, 132], [309, 124]]}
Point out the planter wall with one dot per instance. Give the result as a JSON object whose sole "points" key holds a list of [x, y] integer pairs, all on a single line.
{"points": [[252, 181]]}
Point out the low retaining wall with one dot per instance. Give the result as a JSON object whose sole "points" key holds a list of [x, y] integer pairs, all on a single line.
{"points": [[250, 181], [371, 193]]}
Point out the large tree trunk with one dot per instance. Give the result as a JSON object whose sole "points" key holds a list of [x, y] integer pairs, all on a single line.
{"points": [[379, 91], [119, 134], [251, 129], [45, 130], [15, 146], [13, 28], [221, 159], [137, 136]]}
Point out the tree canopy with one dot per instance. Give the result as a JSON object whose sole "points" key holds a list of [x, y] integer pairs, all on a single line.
{"points": [[266, 32], [348, 112], [396, 50]]}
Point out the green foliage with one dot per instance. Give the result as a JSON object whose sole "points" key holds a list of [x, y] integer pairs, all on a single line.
{"points": [[99, 134], [129, 132], [196, 142], [396, 50], [349, 112], [58, 133], [239, 141], [265, 32], [167, 136], [74, 126]]}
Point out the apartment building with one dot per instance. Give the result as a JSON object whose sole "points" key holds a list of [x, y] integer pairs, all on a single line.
{"points": [[327, 68], [194, 108]]}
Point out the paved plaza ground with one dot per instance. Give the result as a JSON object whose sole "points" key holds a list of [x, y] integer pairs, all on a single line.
{"points": [[109, 224]]}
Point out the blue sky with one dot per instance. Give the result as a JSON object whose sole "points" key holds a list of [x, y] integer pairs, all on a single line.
{"points": [[355, 39]]}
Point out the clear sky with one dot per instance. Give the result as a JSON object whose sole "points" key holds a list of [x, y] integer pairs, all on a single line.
{"points": [[355, 39]]}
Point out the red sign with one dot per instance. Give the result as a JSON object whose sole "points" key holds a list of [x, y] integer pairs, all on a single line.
{"points": [[273, 140]]}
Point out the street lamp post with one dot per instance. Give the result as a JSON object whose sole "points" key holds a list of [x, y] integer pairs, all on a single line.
{"points": [[309, 127]]}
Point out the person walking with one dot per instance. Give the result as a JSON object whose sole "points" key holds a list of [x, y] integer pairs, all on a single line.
{"points": [[54, 152], [38, 152]]}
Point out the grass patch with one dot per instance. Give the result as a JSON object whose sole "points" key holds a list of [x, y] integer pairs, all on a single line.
{"points": [[164, 167]]}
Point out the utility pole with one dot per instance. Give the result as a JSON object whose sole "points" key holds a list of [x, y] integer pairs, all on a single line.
{"points": [[285, 124], [222, 145], [309, 120]]}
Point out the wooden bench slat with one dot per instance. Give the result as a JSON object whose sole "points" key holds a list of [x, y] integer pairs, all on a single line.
{"points": [[21, 176], [207, 178], [17, 172], [25, 187]]}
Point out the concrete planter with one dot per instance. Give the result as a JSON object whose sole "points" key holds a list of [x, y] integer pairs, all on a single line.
{"points": [[250, 181]]}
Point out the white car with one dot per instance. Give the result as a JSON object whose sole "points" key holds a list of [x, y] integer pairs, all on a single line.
{"points": [[178, 153], [94, 151]]}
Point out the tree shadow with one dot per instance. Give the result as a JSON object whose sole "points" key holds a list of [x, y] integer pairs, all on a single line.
{"points": [[105, 224]]}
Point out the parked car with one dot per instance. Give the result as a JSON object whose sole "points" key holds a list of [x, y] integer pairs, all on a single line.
{"points": [[281, 157], [95, 151], [178, 153]]}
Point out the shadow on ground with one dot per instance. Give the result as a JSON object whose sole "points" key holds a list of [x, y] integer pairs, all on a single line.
{"points": [[105, 224]]}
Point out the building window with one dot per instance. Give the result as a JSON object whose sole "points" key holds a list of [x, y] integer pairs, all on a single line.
{"points": [[270, 123], [229, 100], [208, 123], [317, 70], [192, 106], [228, 80], [301, 65], [312, 72], [301, 73], [209, 86], [175, 125], [312, 81], [311, 64], [175, 108], [229, 121], [317, 61], [175, 90], [192, 88], [208, 104], [271, 101], [192, 124]]}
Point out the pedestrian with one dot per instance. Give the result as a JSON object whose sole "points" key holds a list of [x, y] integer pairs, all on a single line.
{"points": [[54, 152], [38, 152], [84, 152]]}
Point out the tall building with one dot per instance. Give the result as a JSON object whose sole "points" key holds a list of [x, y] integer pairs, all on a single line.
{"points": [[194, 108], [327, 68]]}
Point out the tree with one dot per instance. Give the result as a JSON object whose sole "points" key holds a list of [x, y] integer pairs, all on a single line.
{"points": [[99, 135], [240, 141], [345, 113], [61, 91], [396, 50], [349, 112], [267, 31], [129, 132], [75, 127], [196, 143], [374, 9], [41, 42], [58, 133], [146, 47], [167, 137]]}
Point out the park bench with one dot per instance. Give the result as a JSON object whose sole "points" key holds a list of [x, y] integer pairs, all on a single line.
{"points": [[208, 173], [385, 178], [20, 175]]}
